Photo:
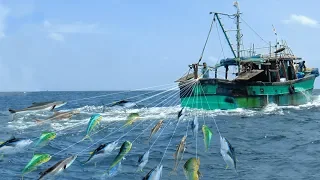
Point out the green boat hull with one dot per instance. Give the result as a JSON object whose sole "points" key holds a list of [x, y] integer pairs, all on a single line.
{"points": [[211, 94]]}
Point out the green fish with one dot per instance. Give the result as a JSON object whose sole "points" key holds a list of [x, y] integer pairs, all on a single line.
{"points": [[125, 148], [132, 118], [94, 120], [36, 160], [45, 138], [191, 169], [207, 135]]}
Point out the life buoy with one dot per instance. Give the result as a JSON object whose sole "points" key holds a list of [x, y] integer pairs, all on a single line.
{"points": [[291, 89]]}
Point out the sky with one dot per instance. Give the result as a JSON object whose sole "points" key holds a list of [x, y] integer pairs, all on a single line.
{"points": [[128, 45]]}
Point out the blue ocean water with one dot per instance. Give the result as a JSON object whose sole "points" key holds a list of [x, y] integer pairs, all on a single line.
{"points": [[270, 143]]}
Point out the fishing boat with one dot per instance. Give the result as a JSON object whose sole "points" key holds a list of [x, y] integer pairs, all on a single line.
{"points": [[260, 79]]}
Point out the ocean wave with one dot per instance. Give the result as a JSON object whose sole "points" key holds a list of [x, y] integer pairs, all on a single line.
{"points": [[26, 120]]}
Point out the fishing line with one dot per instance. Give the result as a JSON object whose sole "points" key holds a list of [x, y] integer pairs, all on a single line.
{"points": [[163, 128], [86, 122], [212, 116], [172, 136], [105, 95], [186, 138], [155, 121], [78, 142], [110, 134], [97, 141], [135, 126], [197, 97]]}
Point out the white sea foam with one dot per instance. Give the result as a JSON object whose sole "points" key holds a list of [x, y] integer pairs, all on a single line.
{"points": [[27, 120]]}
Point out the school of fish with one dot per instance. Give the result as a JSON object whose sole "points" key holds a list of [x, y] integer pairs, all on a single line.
{"points": [[190, 168]]}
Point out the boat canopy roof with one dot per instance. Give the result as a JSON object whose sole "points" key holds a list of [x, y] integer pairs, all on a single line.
{"points": [[234, 61]]}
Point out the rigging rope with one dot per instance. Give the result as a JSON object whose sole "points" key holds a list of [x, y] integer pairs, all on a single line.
{"points": [[254, 31], [220, 41], [205, 44]]}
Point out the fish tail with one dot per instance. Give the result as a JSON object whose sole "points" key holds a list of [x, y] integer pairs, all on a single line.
{"points": [[87, 137]]}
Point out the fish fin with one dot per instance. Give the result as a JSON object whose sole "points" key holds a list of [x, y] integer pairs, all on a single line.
{"points": [[52, 109], [12, 111]]}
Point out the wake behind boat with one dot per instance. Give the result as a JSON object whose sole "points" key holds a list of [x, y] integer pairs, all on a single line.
{"points": [[40, 106]]}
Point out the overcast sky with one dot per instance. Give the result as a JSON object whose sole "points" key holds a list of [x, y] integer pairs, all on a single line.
{"points": [[127, 45]]}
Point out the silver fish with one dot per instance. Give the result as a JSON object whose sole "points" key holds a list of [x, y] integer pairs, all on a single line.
{"points": [[178, 154], [124, 104], [181, 114], [14, 145], [154, 174], [40, 106], [195, 126], [58, 167], [102, 151], [143, 160], [228, 153]]}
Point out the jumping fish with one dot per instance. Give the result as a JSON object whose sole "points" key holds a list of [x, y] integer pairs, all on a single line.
{"points": [[125, 148], [132, 118], [195, 126], [41, 106], [181, 114], [154, 174], [207, 135], [58, 167], [102, 151], [45, 138], [155, 128], [14, 145], [124, 104], [228, 153], [36, 160], [60, 115], [94, 120], [178, 154], [191, 169], [143, 160]]}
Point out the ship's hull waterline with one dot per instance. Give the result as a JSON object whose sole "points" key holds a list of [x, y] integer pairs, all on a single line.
{"points": [[211, 94]]}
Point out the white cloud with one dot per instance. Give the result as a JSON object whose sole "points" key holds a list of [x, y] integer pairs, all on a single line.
{"points": [[56, 36], [4, 11], [57, 31], [303, 20]]}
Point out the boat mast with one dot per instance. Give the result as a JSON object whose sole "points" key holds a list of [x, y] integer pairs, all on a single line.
{"points": [[238, 33]]}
